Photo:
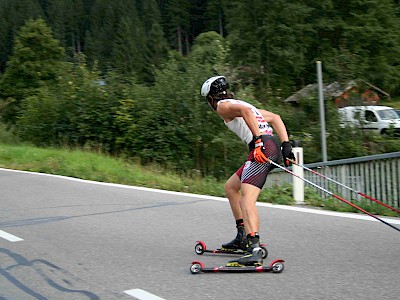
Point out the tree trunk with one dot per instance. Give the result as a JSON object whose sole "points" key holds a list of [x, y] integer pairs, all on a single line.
{"points": [[179, 32]]}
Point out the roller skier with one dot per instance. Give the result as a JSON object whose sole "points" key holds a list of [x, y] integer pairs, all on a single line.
{"points": [[254, 127]]}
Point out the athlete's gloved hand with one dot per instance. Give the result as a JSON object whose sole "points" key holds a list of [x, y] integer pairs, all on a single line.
{"points": [[287, 153], [259, 156]]}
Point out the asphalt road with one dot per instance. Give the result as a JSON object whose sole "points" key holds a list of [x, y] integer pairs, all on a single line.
{"points": [[84, 240]]}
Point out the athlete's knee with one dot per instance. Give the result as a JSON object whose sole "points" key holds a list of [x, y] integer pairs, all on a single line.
{"points": [[230, 188], [232, 185], [247, 201]]}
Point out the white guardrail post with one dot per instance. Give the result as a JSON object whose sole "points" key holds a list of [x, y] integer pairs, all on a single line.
{"points": [[298, 184]]}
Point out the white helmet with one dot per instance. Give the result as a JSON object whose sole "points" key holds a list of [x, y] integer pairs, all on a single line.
{"points": [[214, 85]]}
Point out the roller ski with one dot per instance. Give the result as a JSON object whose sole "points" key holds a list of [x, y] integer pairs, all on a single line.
{"points": [[201, 248], [237, 246], [276, 266]]}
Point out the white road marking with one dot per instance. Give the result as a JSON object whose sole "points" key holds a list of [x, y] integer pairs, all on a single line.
{"points": [[9, 237], [285, 207], [142, 295]]}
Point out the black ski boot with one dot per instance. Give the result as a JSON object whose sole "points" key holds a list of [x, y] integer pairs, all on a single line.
{"points": [[239, 242], [253, 256]]}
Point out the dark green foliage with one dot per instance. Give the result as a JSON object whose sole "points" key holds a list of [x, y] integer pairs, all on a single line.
{"points": [[278, 194], [129, 48], [74, 112], [156, 52], [274, 44], [36, 61], [69, 19], [105, 27], [367, 43], [274, 35], [214, 17], [177, 24], [13, 15]]}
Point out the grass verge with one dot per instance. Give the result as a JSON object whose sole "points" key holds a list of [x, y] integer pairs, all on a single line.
{"points": [[99, 167]]}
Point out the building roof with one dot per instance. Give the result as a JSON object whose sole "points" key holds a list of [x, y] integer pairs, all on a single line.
{"points": [[333, 89], [329, 90]]}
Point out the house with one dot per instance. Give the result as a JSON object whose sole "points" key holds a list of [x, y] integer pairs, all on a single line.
{"points": [[354, 92]]}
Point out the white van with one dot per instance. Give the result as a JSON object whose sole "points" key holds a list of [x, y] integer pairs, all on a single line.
{"points": [[375, 118]]}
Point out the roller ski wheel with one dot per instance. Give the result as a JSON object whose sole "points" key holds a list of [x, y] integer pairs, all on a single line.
{"points": [[196, 267], [201, 248], [264, 251], [276, 266]]}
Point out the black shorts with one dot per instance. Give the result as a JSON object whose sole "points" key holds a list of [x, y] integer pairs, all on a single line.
{"points": [[254, 173]]}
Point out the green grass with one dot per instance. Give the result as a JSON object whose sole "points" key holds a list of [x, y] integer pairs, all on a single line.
{"points": [[99, 167], [103, 168]]}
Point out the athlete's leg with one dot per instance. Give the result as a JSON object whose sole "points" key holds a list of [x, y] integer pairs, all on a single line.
{"points": [[232, 191], [249, 195], [253, 257]]}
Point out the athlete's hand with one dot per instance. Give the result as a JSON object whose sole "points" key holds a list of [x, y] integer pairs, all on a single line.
{"points": [[287, 153], [259, 156]]}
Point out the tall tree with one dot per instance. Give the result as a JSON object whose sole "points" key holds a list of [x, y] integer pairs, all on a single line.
{"points": [[177, 24], [69, 22], [269, 39], [149, 13], [13, 15], [129, 47], [371, 33], [37, 58], [105, 26], [214, 18], [156, 52]]}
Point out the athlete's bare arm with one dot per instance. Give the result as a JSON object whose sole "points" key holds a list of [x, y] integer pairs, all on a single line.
{"points": [[229, 111], [277, 123]]}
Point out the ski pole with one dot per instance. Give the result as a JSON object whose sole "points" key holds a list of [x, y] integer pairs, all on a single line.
{"points": [[345, 186], [334, 195]]}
